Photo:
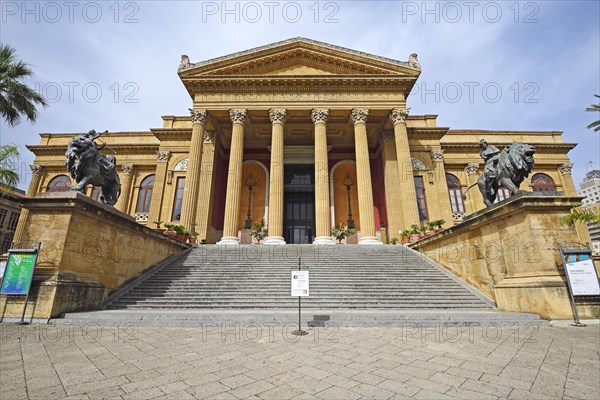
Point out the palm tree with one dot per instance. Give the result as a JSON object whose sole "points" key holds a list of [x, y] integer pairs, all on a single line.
{"points": [[589, 216], [594, 108], [16, 98], [9, 155]]}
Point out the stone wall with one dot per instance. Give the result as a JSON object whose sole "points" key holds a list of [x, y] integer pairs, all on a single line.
{"points": [[510, 253], [88, 251]]}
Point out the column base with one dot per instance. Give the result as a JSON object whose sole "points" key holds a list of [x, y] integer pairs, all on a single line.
{"points": [[323, 240], [229, 240], [274, 240], [369, 240]]}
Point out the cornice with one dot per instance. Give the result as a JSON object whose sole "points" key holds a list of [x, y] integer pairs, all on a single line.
{"points": [[126, 148], [173, 134], [544, 147]]}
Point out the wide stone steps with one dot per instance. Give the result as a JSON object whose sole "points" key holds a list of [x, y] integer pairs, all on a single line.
{"points": [[341, 277]]}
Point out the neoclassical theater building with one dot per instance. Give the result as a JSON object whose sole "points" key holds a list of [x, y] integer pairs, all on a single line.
{"points": [[304, 135]]}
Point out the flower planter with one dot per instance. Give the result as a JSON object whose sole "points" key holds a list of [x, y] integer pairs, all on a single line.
{"points": [[414, 238], [172, 234], [193, 239], [405, 239], [160, 230]]}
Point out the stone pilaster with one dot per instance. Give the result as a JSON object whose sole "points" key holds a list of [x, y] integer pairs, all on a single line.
{"points": [[410, 211], [192, 178], [278, 117], [363, 177], [392, 184], [472, 170], [319, 117], [445, 208], [126, 179], [206, 193], [37, 172], [567, 180], [234, 177], [162, 163]]}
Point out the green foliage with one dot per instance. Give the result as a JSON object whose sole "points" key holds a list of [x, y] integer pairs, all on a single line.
{"points": [[405, 233], [431, 225], [258, 230], [588, 215], [158, 224], [414, 229], [594, 108], [9, 165], [203, 241], [16, 98], [194, 233], [394, 240], [423, 229], [180, 229], [341, 232], [170, 227]]}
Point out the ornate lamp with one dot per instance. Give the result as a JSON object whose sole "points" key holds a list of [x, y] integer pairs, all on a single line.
{"points": [[250, 182], [348, 182]]}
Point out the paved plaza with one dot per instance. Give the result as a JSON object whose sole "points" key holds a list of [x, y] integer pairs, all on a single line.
{"points": [[267, 362]]}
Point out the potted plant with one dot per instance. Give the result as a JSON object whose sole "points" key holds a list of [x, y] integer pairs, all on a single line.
{"points": [[193, 234], [203, 241], [405, 235], [414, 233], [180, 230], [170, 230], [430, 228], [341, 232], [394, 240], [438, 224], [158, 228], [422, 231], [259, 231]]}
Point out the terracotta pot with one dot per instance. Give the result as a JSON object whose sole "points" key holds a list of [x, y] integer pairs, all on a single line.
{"points": [[439, 229], [414, 238], [193, 239], [183, 238], [405, 239], [172, 234], [160, 230]]}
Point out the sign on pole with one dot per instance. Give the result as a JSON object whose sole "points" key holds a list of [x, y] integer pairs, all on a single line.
{"points": [[18, 273], [582, 274], [300, 284]]}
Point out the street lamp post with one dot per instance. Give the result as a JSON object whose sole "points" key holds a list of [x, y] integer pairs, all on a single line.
{"points": [[349, 183], [250, 182]]}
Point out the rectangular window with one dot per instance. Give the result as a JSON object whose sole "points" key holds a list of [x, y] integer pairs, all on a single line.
{"points": [[421, 201], [12, 221], [3, 213], [456, 201], [178, 199], [6, 242]]}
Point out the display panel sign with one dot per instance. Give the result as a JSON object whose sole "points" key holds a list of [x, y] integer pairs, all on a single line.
{"points": [[18, 272], [300, 284], [581, 274]]}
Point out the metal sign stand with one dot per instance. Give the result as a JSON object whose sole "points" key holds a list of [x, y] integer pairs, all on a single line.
{"points": [[564, 252], [36, 252], [299, 331]]}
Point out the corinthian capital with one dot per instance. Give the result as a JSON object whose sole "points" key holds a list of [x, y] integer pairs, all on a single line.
{"points": [[437, 155], [472, 168], [238, 115], [277, 115], [36, 169], [199, 116], [359, 115], [210, 136], [127, 169], [319, 115], [398, 115], [565, 168], [163, 156]]}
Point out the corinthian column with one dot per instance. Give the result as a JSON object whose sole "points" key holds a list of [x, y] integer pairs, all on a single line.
{"points": [[363, 177], [37, 172], [207, 190], [392, 183], [234, 178], [162, 162], [192, 178], [123, 201], [278, 117], [410, 212], [439, 170], [319, 118]]}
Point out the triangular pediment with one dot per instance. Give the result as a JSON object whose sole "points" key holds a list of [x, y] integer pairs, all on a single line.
{"points": [[298, 57]]}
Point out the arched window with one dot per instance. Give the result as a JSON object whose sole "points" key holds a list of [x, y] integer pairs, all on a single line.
{"points": [[542, 183], [145, 195], [60, 183], [455, 193]]}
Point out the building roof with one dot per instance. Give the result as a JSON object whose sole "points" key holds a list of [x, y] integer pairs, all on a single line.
{"points": [[13, 192]]}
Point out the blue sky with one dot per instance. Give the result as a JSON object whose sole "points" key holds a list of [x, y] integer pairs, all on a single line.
{"points": [[486, 65]]}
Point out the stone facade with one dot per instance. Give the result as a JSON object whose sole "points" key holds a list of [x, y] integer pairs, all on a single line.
{"points": [[303, 104], [10, 209]]}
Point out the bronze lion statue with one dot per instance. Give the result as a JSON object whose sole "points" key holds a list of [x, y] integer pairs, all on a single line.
{"points": [[507, 168], [88, 167]]}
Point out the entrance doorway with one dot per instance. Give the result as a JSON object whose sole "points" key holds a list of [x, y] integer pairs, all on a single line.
{"points": [[299, 204]]}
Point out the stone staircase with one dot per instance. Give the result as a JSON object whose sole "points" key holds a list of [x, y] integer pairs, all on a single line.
{"points": [[341, 277]]}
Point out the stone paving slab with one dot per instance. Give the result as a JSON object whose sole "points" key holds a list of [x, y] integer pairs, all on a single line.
{"points": [[126, 361]]}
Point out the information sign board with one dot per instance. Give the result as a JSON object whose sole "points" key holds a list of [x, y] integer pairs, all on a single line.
{"points": [[300, 284]]}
